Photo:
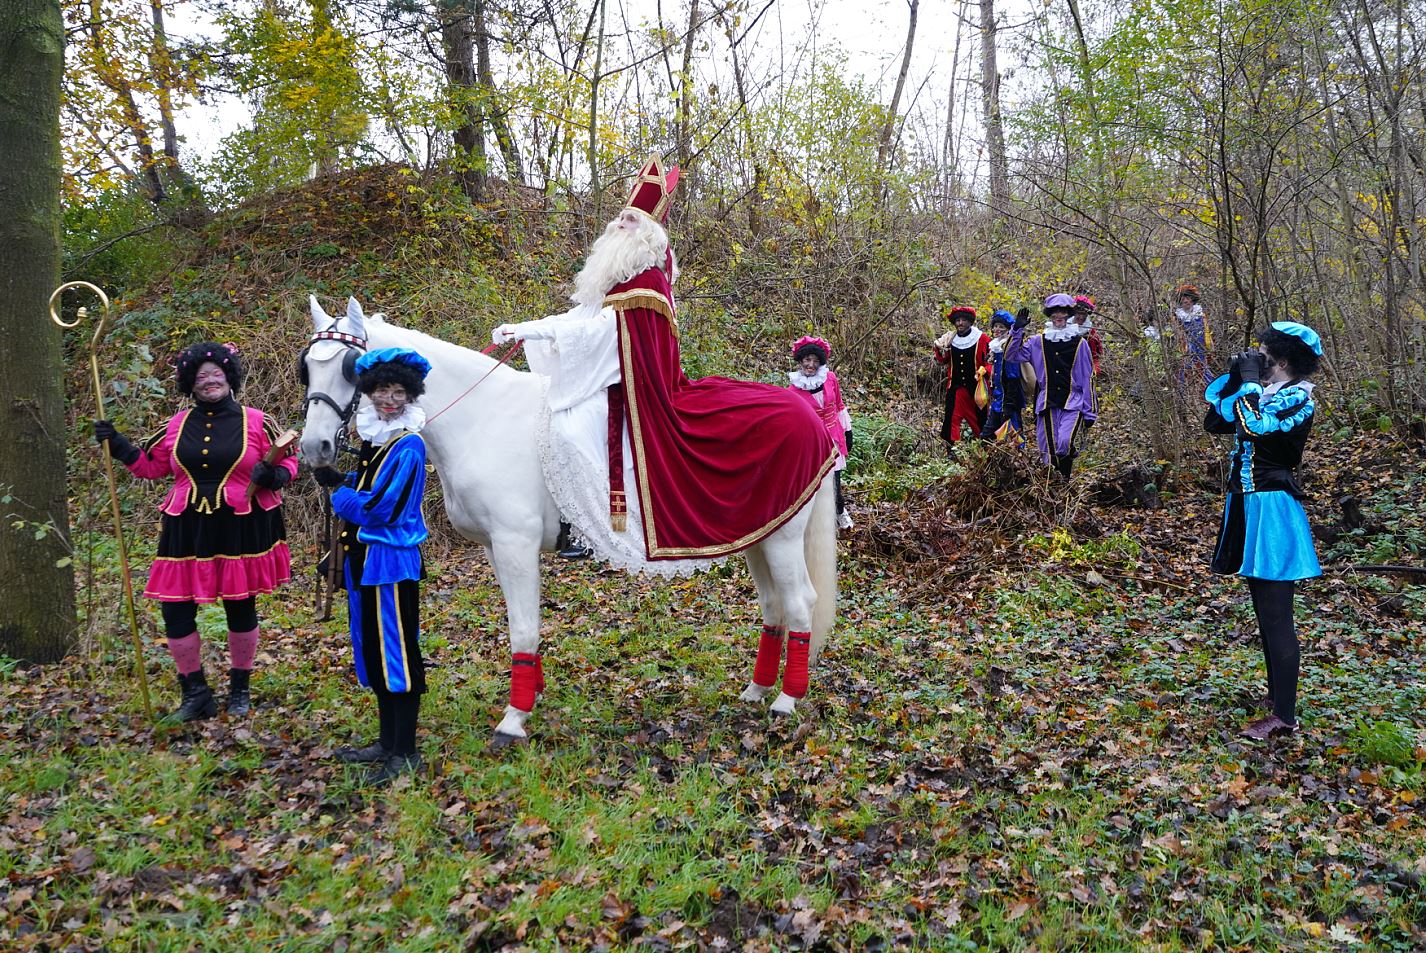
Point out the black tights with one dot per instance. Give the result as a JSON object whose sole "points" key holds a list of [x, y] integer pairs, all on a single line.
{"points": [[397, 712], [837, 490], [1272, 601], [181, 618]]}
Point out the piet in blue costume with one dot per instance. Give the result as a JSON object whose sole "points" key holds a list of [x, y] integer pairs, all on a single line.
{"points": [[380, 503], [1266, 403], [1007, 392]]}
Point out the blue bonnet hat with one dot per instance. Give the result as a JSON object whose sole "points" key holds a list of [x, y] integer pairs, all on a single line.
{"points": [[394, 355], [1302, 332]]}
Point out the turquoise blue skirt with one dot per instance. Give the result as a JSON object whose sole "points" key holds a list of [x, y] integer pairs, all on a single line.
{"points": [[1265, 536]]}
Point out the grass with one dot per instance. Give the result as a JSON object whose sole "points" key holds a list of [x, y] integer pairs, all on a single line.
{"points": [[1066, 784]]}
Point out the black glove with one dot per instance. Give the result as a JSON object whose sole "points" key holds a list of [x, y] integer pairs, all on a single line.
{"points": [[120, 447], [1250, 367], [1022, 317], [329, 477], [271, 477], [848, 435]]}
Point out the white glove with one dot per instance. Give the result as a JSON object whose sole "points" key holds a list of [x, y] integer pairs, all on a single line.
{"points": [[524, 331]]}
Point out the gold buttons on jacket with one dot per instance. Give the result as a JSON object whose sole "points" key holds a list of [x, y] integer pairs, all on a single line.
{"points": [[205, 451]]}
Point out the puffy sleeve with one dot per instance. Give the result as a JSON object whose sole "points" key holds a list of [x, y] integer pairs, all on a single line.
{"points": [[1213, 420], [384, 503], [1017, 350], [1283, 412], [156, 458]]}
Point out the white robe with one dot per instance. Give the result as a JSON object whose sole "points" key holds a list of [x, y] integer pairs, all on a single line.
{"points": [[580, 360]]}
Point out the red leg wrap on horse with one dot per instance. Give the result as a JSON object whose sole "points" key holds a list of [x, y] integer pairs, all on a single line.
{"points": [[540, 674], [524, 680], [794, 677], [769, 657]]}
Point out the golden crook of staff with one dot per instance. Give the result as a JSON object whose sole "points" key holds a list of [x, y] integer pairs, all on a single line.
{"points": [[98, 336]]}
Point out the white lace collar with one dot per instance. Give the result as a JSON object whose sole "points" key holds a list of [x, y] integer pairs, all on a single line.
{"points": [[970, 339], [998, 344], [377, 432], [1060, 335], [802, 382]]}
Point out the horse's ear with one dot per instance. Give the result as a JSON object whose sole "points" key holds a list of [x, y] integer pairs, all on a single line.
{"points": [[354, 310], [318, 315]]}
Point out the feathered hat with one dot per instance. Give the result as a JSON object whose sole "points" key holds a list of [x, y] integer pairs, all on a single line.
{"points": [[1189, 290]]}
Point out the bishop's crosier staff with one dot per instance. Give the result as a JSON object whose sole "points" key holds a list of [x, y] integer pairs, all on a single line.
{"points": [[94, 340]]}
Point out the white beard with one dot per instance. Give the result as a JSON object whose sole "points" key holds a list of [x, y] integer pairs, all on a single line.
{"points": [[617, 256]]}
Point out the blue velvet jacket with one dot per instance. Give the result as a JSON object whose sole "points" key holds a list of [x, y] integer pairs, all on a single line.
{"points": [[383, 498], [1270, 432]]}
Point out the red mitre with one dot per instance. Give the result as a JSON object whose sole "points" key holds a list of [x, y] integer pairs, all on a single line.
{"points": [[653, 191]]}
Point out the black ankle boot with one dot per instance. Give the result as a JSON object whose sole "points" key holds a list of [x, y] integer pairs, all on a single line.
{"points": [[566, 548], [197, 701], [239, 700]]}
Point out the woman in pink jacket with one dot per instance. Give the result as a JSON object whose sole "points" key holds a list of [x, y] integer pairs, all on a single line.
{"points": [[220, 541], [814, 380]]}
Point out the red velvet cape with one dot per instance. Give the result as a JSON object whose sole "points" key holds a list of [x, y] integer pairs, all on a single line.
{"points": [[719, 463]]}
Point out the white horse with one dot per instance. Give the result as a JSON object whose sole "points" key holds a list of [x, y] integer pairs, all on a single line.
{"points": [[482, 441]]}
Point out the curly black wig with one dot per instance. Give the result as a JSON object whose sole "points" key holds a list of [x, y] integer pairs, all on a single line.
{"points": [[1290, 350], [185, 366], [392, 372], [807, 349]]}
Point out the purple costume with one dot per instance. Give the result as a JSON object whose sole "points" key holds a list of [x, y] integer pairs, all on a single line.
{"points": [[1065, 400]]}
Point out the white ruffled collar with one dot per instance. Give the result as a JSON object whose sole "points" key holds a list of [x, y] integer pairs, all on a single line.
{"points": [[998, 344], [802, 382], [1060, 335], [970, 339], [378, 432]]}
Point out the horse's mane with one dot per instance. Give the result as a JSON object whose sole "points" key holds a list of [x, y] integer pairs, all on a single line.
{"points": [[443, 355]]}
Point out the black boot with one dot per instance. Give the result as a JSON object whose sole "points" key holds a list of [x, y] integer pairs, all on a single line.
{"points": [[198, 701], [379, 750], [239, 701], [393, 767], [566, 548]]}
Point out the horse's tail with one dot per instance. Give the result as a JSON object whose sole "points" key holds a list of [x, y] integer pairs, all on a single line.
{"points": [[820, 551]]}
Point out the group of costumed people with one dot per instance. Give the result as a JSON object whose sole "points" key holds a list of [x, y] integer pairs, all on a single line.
{"points": [[989, 377], [621, 409]]}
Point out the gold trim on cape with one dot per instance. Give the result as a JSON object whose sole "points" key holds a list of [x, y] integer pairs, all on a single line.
{"points": [[655, 551]]}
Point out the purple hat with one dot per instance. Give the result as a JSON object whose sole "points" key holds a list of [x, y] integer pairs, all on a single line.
{"points": [[1059, 301]]}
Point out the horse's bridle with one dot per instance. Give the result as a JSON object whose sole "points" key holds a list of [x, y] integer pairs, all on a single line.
{"points": [[353, 345]]}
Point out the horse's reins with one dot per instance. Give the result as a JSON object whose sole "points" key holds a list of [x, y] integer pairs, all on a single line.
{"points": [[509, 353]]}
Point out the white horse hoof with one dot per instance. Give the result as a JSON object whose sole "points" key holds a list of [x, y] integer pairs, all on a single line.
{"points": [[755, 692], [785, 704]]}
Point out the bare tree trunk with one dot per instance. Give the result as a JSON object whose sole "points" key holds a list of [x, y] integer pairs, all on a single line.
{"points": [[36, 581], [458, 45], [683, 136], [325, 153], [990, 102], [509, 148], [592, 154], [755, 199], [110, 72], [883, 151]]}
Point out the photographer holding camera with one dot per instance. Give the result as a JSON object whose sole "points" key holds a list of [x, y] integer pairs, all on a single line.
{"points": [[1266, 402]]}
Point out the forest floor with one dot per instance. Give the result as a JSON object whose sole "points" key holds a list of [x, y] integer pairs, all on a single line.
{"points": [[1018, 738]]}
